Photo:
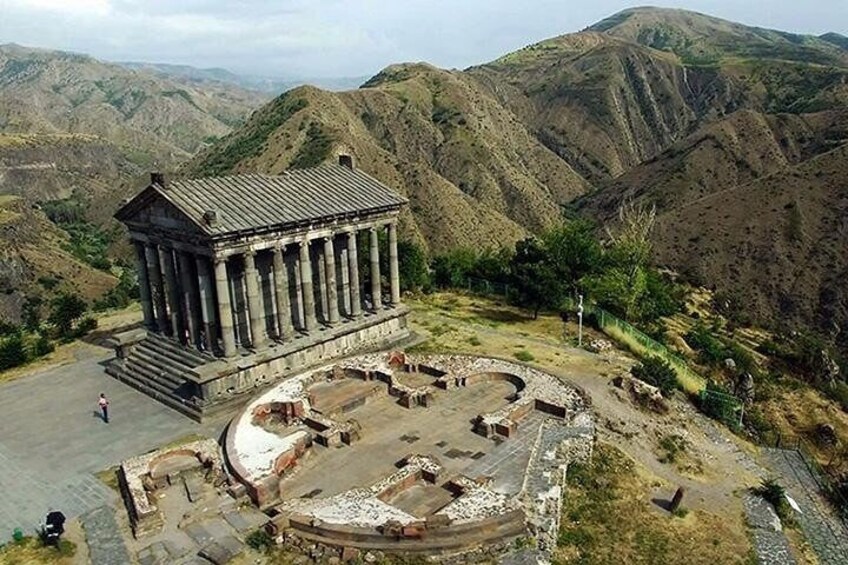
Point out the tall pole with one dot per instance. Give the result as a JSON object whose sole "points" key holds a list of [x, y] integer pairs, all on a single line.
{"points": [[580, 321]]}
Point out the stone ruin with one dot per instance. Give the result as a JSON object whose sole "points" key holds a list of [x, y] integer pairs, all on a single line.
{"points": [[143, 476], [310, 453]]}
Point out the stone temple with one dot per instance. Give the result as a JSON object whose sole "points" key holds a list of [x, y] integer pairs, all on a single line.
{"points": [[250, 278]]}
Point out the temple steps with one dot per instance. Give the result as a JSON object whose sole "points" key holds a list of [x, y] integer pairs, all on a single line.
{"points": [[156, 392], [167, 345], [160, 368]]}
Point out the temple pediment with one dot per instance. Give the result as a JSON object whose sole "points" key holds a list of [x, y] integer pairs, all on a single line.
{"points": [[151, 210]]}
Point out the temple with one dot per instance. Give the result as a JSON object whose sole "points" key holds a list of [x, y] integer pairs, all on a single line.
{"points": [[246, 279]]}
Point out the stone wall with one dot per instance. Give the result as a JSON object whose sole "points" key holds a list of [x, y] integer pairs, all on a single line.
{"points": [[258, 371]]}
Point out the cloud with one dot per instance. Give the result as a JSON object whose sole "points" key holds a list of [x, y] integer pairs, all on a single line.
{"points": [[75, 7]]}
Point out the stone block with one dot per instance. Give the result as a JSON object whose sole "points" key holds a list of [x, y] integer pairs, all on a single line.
{"points": [[194, 488], [349, 554], [223, 550]]}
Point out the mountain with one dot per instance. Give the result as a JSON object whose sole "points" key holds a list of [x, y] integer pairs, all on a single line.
{"points": [[610, 97], [151, 118], [34, 260], [85, 132], [675, 108], [835, 38], [264, 84], [474, 175], [754, 206]]}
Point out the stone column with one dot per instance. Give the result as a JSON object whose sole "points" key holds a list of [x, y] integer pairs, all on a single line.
{"points": [[394, 271], [322, 284], [225, 310], [258, 338], [309, 322], [144, 286], [353, 269], [330, 280], [376, 290], [189, 296], [298, 291], [207, 303], [166, 255], [281, 289], [345, 274], [158, 288]]}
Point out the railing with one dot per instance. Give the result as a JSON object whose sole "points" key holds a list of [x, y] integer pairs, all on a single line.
{"points": [[643, 344], [823, 478]]}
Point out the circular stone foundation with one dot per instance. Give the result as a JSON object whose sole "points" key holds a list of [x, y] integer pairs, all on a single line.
{"points": [[413, 453]]}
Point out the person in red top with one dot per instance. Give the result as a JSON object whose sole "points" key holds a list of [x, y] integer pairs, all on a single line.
{"points": [[104, 407]]}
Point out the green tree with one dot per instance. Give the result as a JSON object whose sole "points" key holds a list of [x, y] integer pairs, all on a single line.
{"points": [[658, 372], [453, 268], [413, 267], [12, 351], [31, 313], [534, 279], [65, 310], [574, 252]]}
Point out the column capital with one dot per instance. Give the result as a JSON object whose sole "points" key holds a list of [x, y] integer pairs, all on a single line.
{"points": [[218, 259], [281, 247], [250, 253]]}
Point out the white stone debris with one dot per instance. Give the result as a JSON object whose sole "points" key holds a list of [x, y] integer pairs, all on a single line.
{"points": [[357, 507]]}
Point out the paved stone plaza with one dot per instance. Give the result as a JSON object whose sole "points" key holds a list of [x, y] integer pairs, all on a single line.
{"points": [[53, 439]]}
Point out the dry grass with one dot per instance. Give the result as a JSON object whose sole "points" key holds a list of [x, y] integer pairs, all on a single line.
{"points": [[689, 381], [608, 517], [29, 551], [796, 413]]}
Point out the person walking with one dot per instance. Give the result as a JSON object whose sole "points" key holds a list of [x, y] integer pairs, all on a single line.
{"points": [[104, 407]]}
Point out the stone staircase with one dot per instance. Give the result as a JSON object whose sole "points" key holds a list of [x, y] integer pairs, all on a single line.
{"points": [[158, 367]]}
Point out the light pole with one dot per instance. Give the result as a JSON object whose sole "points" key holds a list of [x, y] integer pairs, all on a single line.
{"points": [[580, 320]]}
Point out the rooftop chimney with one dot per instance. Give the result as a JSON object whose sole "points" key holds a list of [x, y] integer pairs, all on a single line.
{"points": [[346, 161], [159, 178], [211, 217]]}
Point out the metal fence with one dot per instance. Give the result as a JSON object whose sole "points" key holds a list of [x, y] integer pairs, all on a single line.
{"points": [[487, 287], [643, 344], [827, 482]]}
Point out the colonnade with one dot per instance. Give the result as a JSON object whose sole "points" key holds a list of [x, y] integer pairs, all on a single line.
{"points": [[252, 299]]}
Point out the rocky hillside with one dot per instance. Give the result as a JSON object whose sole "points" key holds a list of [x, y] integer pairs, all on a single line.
{"points": [[149, 117], [473, 173], [41, 167], [34, 260], [609, 98], [674, 107], [755, 206], [72, 126]]}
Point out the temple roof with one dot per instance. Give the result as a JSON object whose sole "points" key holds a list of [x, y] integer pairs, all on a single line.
{"points": [[255, 201]]}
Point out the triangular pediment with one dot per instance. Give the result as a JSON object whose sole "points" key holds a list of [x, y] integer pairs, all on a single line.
{"points": [[151, 210]]}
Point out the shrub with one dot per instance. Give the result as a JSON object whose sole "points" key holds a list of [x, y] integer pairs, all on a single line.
{"points": [[260, 540], [657, 372], [12, 351], [524, 356], [86, 325], [65, 310], [774, 493]]}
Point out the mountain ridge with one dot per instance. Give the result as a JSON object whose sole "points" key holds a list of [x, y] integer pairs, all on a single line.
{"points": [[556, 124]]}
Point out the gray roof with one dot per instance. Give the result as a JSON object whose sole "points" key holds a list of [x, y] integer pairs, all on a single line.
{"points": [[256, 201]]}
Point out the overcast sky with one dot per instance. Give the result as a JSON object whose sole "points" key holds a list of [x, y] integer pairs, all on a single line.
{"points": [[331, 38]]}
